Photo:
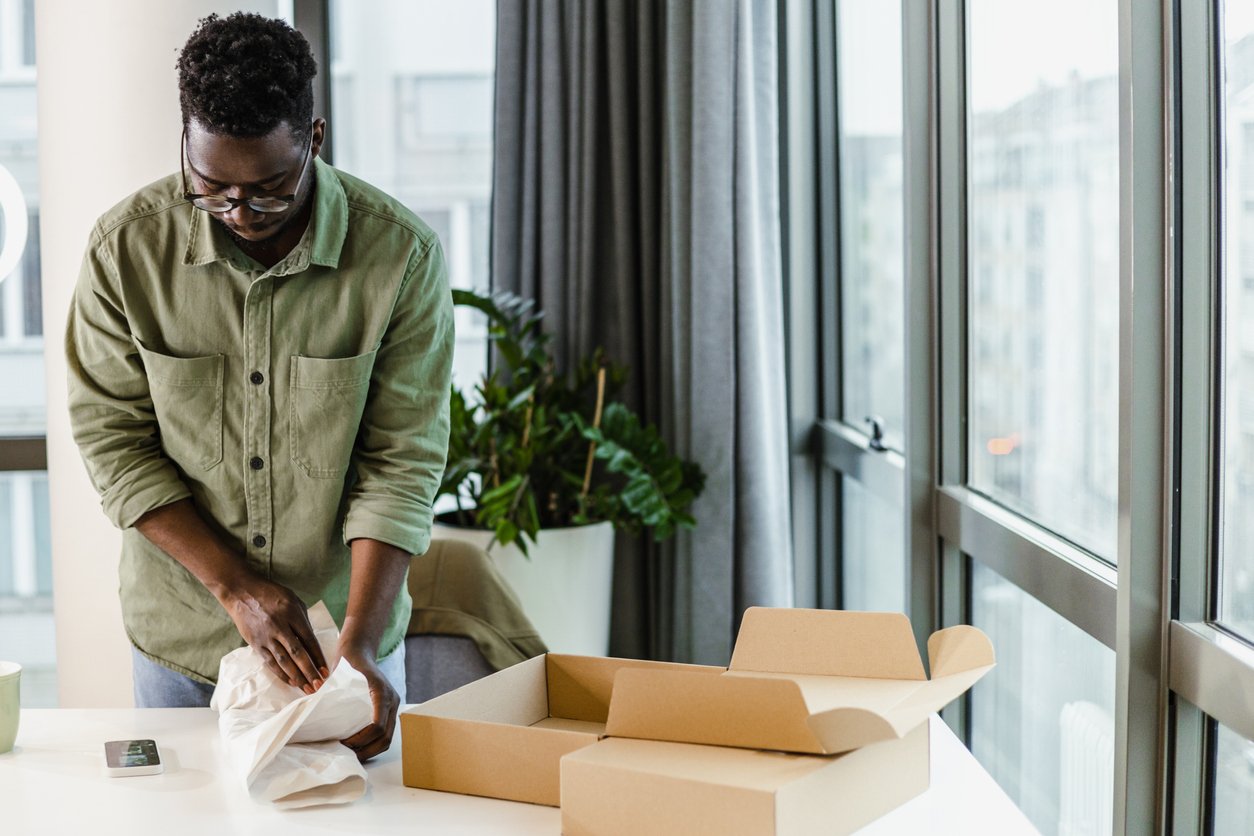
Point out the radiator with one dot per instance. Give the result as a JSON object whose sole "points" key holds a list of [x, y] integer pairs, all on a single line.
{"points": [[1087, 780]]}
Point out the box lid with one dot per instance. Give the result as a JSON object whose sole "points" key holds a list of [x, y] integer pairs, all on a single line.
{"points": [[813, 681]]}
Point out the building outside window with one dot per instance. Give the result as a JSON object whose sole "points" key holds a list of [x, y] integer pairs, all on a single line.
{"points": [[1043, 371], [411, 113], [26, 623]]}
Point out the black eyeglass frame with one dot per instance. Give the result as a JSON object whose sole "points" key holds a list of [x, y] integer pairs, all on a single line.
{"points": [[236, 202]]}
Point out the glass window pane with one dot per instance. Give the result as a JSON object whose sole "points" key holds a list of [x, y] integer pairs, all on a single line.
{"points": [[1237, 579], [871, 215], [412, 115], [1234, 783], [1042, 721], [873, 555], [1043, 238], [22, 401], [27, 633], [26, 625]]}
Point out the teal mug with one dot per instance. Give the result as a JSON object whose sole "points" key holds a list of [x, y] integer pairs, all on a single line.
{"points": [[10, 676]]}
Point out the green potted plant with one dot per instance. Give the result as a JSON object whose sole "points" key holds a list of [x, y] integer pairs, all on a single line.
{"points": [[544, 465]]}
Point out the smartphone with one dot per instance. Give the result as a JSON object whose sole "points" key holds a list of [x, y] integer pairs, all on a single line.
{"points": [[132, 757]]}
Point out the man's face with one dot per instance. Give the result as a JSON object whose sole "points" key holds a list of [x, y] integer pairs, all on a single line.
{"points": [[240, 167]]}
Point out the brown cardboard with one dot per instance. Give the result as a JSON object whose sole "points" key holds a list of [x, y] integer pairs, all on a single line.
{"points": [[504, 735], [624, 786], [810, 681]]}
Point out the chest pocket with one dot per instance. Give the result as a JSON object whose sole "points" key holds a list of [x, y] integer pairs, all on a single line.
{"points": [[187, 398], [328, 398]]}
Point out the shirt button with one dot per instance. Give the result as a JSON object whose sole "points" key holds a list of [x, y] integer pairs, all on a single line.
{"points": [[256, 463], [259, 541], [257, 378]]}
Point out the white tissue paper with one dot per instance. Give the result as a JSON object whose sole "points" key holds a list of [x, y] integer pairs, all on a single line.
{"points": [[285, 743]]}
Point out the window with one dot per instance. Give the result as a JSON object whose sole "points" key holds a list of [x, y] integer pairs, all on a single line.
{"points": [[1078, 195], [872, 255], [1042, 316], [1236, 600], [443, 108], [862, 280], [17, 40], [1043, 227], [26, 623], [1234, 783], [1043, 720], [411, 113]]}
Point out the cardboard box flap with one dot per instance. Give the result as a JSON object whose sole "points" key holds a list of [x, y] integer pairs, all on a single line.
{"points": [[516, 696], [877, 645], [845, 729], [579, 687], [809, 681], [958, 649], [697, 707], [929, 700]]}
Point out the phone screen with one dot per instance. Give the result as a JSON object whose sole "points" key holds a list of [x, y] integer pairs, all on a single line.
{"points": [[123, 753]]}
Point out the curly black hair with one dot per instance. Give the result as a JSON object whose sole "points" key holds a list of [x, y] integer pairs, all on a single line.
{"points": [[244, 74]]}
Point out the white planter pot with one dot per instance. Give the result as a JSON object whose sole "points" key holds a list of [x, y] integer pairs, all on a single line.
{"points": [[565, 586]]}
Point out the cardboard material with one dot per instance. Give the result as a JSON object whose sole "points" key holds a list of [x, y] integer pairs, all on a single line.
{"points": [[810, 681], [504, 735], [622, 786]]}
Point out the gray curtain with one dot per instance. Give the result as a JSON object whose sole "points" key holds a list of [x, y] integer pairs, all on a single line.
{"points": [[636, 198]]}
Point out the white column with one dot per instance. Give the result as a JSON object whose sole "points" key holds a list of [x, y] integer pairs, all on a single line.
{"points": [[108, 124]]}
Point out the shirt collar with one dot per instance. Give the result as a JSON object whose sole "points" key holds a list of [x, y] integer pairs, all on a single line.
{"points": [[321, 244]]}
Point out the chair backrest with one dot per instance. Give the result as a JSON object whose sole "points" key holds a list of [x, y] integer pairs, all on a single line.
{"points": [[466, 621]]}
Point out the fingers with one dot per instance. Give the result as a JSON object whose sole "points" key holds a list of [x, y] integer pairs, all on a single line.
{"points": [[376, 738], [313, 651], [289, 666], [310, 678], [365, 743]]}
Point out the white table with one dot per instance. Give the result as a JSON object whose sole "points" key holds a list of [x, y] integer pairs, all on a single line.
{"points": [[53, 782]]}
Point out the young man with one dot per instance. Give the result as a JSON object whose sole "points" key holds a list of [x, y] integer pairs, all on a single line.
{"points": [[259, 351]]}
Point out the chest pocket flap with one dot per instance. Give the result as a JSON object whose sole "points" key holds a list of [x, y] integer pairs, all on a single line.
{"points": [[328, 397]]}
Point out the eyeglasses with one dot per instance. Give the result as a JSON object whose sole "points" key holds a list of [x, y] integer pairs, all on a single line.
{"points": [[217, 203]]}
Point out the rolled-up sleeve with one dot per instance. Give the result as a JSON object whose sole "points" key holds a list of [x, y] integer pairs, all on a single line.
{"points": [[111, 410], [402, 444]]}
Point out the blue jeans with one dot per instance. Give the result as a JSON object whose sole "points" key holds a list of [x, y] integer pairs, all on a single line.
{"points": [[156, 686]]}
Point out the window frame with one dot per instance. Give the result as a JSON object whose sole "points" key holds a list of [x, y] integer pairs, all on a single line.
{"points": [[1156, 608]]}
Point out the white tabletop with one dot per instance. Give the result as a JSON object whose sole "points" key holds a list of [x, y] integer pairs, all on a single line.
{"points": [[53, 782]]}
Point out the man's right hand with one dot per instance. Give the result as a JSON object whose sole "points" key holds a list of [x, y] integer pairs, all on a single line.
{"points": [[270, 617], [274, 622]]}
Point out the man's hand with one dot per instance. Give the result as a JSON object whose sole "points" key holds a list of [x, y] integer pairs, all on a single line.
{"points": [[270, 617], [375, 738], [274, 622]]}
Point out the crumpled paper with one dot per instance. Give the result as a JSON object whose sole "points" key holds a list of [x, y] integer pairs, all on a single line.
{"points": [[284, 743]]}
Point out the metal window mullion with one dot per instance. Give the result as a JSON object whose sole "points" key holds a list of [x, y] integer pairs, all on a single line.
{"points": [[1146, 412], [921, 178], [799, 104], [828, 308], [1063, 577], [951, 283], [1214, 671], [1198, 93], [844, 449], [23, 454]]}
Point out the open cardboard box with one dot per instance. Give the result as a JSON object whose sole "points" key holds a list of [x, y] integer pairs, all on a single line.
{"points": [[811, 681], [503, 736], [848, 688]]}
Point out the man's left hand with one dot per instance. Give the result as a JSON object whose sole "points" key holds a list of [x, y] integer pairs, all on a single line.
{"points": [[375, 738]]}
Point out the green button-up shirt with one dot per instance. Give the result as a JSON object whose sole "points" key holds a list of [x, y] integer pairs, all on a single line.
{"points": [[299, 407]]}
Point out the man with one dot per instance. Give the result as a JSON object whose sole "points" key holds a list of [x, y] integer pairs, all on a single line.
{"points": [[259, 354]]}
